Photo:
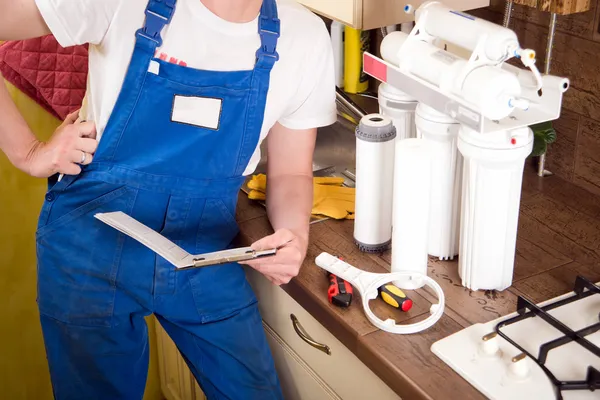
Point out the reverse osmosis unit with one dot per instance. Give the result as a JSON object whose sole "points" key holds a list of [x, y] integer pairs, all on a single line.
{"points": [[475, 113]]}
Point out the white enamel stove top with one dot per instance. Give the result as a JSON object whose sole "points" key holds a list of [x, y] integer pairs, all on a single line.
{"points": [[501, 371]]}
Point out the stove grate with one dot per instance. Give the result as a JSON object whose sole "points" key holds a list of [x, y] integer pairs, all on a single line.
{"points": [[528, 309]]}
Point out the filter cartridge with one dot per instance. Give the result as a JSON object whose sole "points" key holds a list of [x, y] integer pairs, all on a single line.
{"points": [[375, 149], [400, 108], [337, 44], [491, 195], [412, 177], [446, 178]]}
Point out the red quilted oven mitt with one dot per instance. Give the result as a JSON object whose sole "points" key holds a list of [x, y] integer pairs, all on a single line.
{"points": [[54, 76]]}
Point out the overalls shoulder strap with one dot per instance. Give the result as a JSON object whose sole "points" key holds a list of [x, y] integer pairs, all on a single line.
{"points": [[269, 31], [160, 12]]}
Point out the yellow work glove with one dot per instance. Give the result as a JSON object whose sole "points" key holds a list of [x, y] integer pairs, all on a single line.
{"points": [[330, 198]]}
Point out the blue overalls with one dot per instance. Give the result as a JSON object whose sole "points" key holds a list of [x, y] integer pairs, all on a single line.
{"points": [[95, 285]]}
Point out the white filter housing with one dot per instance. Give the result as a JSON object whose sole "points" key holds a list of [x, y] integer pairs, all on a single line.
{"points": [[400, 108], [464, 30], [446, 178], [494, 90], [412, 174], [492, 178], [375, 148]]}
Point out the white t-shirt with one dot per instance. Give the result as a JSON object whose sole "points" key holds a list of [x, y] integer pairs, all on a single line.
{"points": [[302, 85]]}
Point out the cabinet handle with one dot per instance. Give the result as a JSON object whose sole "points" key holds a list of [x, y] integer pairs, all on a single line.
{"points": [[306, 337]]}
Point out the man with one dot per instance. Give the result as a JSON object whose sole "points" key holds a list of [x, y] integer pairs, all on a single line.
{"points": [[180, 96]]}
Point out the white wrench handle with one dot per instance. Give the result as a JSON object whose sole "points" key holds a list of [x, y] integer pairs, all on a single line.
{"points": [[356, 277]]}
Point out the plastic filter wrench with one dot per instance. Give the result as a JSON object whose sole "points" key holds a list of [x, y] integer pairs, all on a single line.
{"points": [[367, 284]]}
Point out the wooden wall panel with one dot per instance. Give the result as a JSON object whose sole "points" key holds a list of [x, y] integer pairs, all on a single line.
{"points": [[562, 161], [563, 7], [587, 156], [580, 24], [596, 35]]}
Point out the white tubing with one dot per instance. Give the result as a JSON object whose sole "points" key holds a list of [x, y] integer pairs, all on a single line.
{"points": [[412, 175]]}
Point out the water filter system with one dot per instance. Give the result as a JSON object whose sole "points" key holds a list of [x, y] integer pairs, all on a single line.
{"points": [[462, 158]]}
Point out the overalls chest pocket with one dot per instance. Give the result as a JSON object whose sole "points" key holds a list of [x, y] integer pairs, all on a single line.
{"points": [[197, 132]]}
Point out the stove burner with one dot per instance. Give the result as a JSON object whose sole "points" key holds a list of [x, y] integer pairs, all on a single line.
{"points": [[527, 309]]}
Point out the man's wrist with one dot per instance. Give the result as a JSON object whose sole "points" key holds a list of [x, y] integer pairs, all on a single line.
{"points": [[20, 157], [303, 236]]}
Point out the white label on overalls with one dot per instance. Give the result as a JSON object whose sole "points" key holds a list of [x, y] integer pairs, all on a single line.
{"points": [[154, 67], [204, 112]]}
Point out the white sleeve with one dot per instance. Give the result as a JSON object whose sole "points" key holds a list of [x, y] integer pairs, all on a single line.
{"points": [[75, 22], [313, 105]]}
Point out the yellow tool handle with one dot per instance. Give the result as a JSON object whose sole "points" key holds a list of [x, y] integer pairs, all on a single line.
{"points": [[395, 297]]}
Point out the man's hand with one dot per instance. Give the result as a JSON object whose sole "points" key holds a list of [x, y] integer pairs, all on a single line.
{"points": [[72, 144], [284, 265]]}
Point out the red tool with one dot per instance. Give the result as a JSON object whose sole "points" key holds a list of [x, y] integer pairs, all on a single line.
{"points": [[339, 292]]}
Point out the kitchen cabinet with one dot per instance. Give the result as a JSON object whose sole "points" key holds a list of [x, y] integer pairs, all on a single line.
{"points": [[176, 379], [370, 14], [298, 381], [312, 363]]}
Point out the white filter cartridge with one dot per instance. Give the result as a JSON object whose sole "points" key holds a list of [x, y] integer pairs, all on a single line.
{"points": [[492, 178], [337, 44], [400, 108], [446, 176], [375, 149], [412, 175]]}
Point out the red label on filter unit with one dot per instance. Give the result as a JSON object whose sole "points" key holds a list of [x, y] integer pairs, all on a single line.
{"points": [[374, 67]]}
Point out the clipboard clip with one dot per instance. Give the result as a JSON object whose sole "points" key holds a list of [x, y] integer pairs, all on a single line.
{"points": [[228, 256]]}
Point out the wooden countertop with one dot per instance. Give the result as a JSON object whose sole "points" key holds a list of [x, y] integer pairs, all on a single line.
{"points": [[558, 238]]}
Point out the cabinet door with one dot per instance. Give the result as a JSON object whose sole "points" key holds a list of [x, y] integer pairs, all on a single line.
{"points": [[345, 11], [176, 379], [340, 369], [298, 380]]}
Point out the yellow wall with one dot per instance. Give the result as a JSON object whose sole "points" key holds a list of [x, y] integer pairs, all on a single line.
{"points": [[23, 369]]}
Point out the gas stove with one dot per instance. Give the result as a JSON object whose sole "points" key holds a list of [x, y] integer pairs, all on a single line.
{"points": [[546, 351]]}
